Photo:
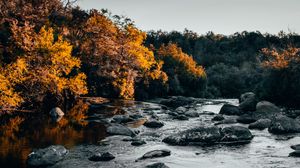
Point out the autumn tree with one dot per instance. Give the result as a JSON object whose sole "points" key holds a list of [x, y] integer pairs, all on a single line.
{"points": [[185, 76]]}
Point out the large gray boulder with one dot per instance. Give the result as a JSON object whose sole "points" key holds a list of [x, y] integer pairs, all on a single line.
{"points": [[210, 135], [282, 124], [47, 156], [228, 109], [248, 102], [119, 129], [267, 107]]}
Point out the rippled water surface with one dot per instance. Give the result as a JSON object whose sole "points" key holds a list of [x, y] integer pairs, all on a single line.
{"points": [[82, 131]]}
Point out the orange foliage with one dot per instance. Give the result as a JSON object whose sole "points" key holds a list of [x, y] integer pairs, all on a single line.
{"points": [[280, 59]]}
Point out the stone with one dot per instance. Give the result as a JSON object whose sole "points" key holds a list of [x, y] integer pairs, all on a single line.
{"points": [[138, 142], [228, 109], [267, 107], [236, 134], [260, 124], [282, 124], [47, 156], [119, 129], [296, 147], [192, 114], [295, 154], [177, 101], [246, 119], [157, 165], [218, 118], [156, 154], [181, 109], [56, 114], [181, 117], [248, 102], [102, 157], [153, 124]]}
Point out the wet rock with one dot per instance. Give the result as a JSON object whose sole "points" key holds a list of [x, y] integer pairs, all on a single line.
{"points": [[136, 116], [56, 114], [47, 156], [122, 119], [138, 142], [157, 165], [181, 117], [296, 147], [247, 118], [282, 124], [260, 124], [178, 101], [210, 135], [295, 154], [248, 102], [227, 121], [192, 114], [156, 154], [181, 110], [236, 135], [218, 118], [228, 109], [119, 129], [267, 107], [207, 113], [154, 124], [102, 157], [195, 136]]}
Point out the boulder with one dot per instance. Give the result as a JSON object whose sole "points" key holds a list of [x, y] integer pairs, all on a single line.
{"points": [[236, 135], [157, 165], [260, 124], [282, 124], [210, 135], [295, 154], [267, 107], [248, 102], [247, 118], [102, 157], [227, 121], [296, 147], [119, 129], [56, 114], [181, 110], [181, 117], [153, 124], [47, 156], [228, 109], [192, 114], [195, 136], [156, 154], [218, 118]]}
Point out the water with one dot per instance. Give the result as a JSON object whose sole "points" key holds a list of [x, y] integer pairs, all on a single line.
{"points": [[83, 129]]}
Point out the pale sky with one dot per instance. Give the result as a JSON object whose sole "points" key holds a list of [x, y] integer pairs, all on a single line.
{"points": [[220, 16]]}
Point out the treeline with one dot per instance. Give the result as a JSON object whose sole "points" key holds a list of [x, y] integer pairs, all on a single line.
{"points": [[51, 52], [248, 61]]}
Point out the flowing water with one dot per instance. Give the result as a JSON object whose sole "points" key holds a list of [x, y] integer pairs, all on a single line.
{"points": [[82, 131]]}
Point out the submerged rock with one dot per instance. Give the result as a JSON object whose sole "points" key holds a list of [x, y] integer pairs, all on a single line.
{"points": [[47, 156], [156, 154], [102, 157], [282, 124], [157, 165], [228, 109], [210, 135], [296, 147], [154, 124], [295, 154], [138, 142], [122, 119], [192, 114], [260, 124], [119, 129], [181, 117], [177, 101], [247, 118], [218, 118]]}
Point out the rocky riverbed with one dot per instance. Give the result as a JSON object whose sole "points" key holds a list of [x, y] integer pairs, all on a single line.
{"points": [[176, 132]]}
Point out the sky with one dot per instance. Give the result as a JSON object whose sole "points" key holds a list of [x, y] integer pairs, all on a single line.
{"points": [[220, 16]]}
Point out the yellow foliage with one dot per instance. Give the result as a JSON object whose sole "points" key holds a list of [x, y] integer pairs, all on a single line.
{"points": [[175, 52], [280, 59]]}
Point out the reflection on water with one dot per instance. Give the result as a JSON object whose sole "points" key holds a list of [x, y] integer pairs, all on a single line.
{"points": [[20, 135]]}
